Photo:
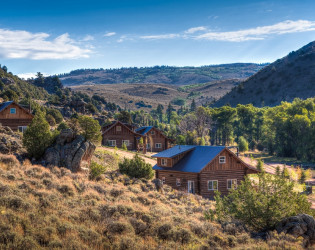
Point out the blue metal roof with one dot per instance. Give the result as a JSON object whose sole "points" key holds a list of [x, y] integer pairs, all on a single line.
{"points": [[176, 150], [143, 130], [195, 160], [4, 105]]}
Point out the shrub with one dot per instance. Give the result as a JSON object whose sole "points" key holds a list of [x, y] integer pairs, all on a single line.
{"points": [[91, 129], [37, 136], [124, 146], [117, 227], [136, 167], [164, 232], [242, 144], [264, 204], [62, 126], [96, 170]]}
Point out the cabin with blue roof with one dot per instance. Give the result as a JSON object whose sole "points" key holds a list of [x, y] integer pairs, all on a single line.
{"points": [[15, 116], [201, 170]]}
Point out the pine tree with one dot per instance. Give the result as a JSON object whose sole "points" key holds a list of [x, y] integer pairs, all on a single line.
{"points": [[169, 112], [193, 106]]}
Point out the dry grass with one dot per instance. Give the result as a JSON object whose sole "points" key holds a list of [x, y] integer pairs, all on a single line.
{"points": [[54, 208]]}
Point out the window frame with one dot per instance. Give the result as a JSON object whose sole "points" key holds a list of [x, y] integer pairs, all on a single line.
{"points": [[212, 181], [152, 132], [158, 143], [110, 144], [13, 113], [148, 145], [232, 180], [23, 128], [163, 162], [118, 130], [163, 180], [178, 182], [222, 158], [124, 141]]}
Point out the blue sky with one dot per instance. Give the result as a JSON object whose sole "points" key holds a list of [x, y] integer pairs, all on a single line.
{"points": [[59, 36]]}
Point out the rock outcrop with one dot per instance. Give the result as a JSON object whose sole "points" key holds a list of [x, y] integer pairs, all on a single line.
{"points": [[300, 225], [10, 142], [69, 151]]}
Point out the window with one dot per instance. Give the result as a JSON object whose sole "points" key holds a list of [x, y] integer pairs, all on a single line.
{"points": [[191, 187], [22, 128], [112, 143], [152, 132], [212, 185], [158, 145], [118, 128], [163, 180], [222, 159], [126, 142], [148, 146], [12, 110], [178, 182], [232, 184], [164, 162]]}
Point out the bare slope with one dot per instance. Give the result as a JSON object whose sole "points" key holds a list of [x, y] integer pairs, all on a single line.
{"points": [[285, 79]]}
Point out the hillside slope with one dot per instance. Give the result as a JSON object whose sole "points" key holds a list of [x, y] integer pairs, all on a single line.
{"points": [[13, 88], [285, 79], [161, 74], [43, 208]]}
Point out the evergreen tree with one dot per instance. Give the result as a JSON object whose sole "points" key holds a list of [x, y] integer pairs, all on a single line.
{"points": [[159, 111], [242, 144], [193, 106], [169, 112], [90, 129], [260, 165], [37, 136]]}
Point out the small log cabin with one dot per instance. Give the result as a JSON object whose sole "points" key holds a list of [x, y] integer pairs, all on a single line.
{"points": [[154, 139], [118, 133], [14, 116], [201, 170]]}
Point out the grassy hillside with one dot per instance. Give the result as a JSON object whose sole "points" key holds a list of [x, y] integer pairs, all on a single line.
{"points": [[285, 79], [44, 208], [148, 96], [161, 74]]}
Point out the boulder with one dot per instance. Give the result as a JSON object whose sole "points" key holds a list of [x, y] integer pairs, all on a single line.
{"points": [[300, 225], [69, 151]]}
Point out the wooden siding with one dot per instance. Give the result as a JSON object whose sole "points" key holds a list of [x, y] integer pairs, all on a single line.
{"points": [[171, 176], [119, 136], [20, 118], [158, 137], [172, 161]]}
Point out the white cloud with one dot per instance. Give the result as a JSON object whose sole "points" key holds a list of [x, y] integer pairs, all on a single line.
{"points": [[165, 36], [121, 39], [109, 34], [30, 75], [195, 29], [38, 46], [88, 38], [260, 33]]}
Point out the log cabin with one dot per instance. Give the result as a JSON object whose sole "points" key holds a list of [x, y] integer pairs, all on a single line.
{"points": [[154, 139], [117, 133], [14, 116], [201, 170]]}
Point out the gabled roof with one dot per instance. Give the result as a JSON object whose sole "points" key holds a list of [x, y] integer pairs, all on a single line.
{"points": [[4, 105], [122, 124], [198, 158], [176, 150], [143, 130]]}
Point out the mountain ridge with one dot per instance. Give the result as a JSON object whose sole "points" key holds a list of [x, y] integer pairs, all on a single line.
{"points": [[292, 76]]}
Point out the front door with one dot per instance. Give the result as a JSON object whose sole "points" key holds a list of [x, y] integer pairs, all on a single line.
{"points": [[191, 187]]}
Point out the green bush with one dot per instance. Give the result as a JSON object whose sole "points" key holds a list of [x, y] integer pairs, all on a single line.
{"points": [[136, 167], [262, 205], [96, 170], [91, 129], [124, 146], [37, 136]]}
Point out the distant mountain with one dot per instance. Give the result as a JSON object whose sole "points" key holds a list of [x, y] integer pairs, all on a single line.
{"points": [[161, 74], [285, 79]]}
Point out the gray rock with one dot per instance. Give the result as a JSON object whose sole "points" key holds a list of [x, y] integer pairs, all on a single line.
{"points": [[300, 225], [69, 151]]}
